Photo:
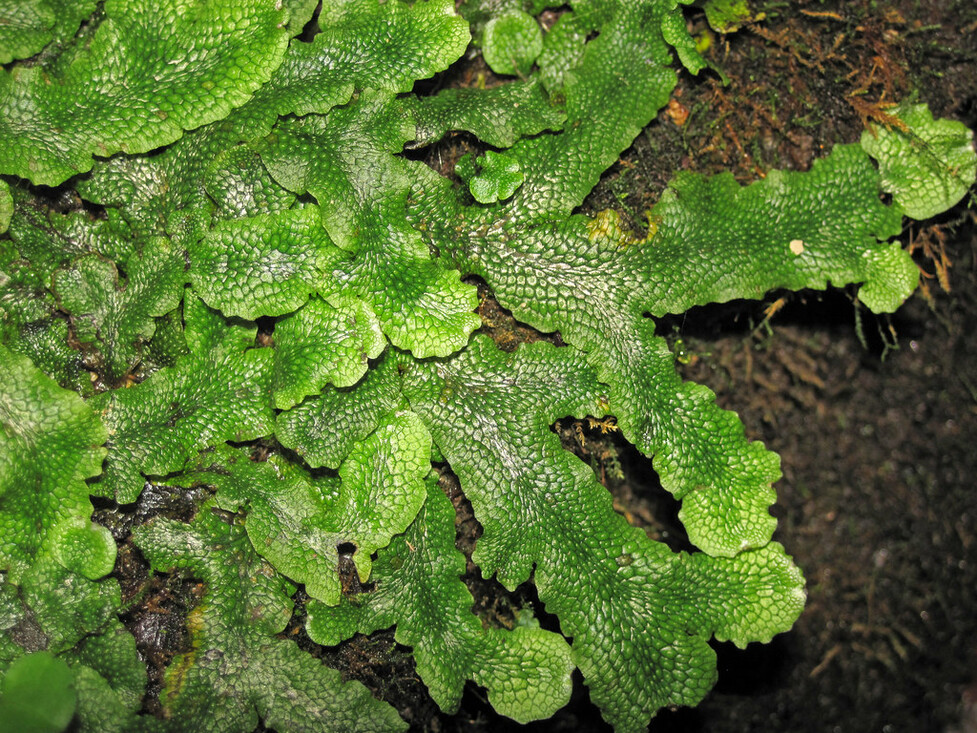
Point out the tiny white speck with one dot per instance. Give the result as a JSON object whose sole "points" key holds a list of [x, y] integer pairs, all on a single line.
{"points": [[796, 246]]}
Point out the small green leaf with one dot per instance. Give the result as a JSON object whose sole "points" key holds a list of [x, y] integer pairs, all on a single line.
{"points": [[346, 160], [110, 680], [416, 585], [625, 72], [675, 31], [150, 71], [323, 429], [50, 442], [208, 397], [37, 695], [498, 116], [726, 16], [928, 166], [264, 265], [298, 524], [117, 316], [497, 179], [362, 45], [526, 672], [325, 342], [84, 547], [511, 42], [239, 670], [791, 230], [382, 486]]}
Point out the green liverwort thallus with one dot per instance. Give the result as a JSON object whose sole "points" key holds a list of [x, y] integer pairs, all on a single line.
{"points": [[259, 296]]}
